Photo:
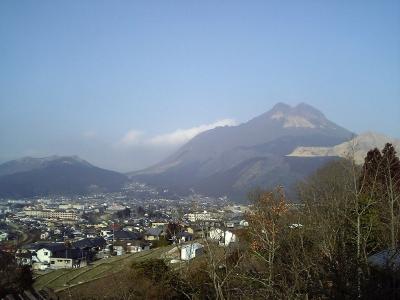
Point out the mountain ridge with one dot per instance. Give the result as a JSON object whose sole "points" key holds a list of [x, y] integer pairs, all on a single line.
{"points": [[268, 137], [231, 139], [55, 175], [29, 163]]}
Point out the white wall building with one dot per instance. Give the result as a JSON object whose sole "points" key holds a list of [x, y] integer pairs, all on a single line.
{"points": [[216, 234], [203, 216], [223, 237], [229, 237], [3, 236], [51, 214], [43, 255], [72, 206], [44, 235], [190, 251]]}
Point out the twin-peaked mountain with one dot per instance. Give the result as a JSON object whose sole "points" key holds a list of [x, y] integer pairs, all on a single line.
{"points": [[55, 175], [233, 160]]}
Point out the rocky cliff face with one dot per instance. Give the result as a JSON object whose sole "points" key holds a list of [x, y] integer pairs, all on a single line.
{"points": [[355, 148]]}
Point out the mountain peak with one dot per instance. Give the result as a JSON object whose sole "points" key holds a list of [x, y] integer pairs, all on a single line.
{"points": [[302, 115], [231, 161], [308, 110], [280, 106]]}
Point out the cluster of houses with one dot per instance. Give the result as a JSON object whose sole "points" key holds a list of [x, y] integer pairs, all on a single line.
{"points": [[73, 235], [78, 252], [42, 256]]}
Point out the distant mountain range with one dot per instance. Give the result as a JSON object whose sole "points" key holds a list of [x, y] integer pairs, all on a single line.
{"points": [[279, 147], [233, 160], [55, 175]]}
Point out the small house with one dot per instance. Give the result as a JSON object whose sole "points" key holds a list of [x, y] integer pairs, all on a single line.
{"points": [[137, 246], [152, 234], [119, 250], [44, 235], [122, 235], [184, 236], [3, 236], [68, 259]]}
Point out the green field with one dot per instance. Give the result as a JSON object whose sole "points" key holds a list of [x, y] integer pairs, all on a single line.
{"points": [[59, 280]]}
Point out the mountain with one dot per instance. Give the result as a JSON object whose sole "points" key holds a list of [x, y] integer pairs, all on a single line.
{"points": [[357, 147], [30, 163], [233, 160], [55, 175]]}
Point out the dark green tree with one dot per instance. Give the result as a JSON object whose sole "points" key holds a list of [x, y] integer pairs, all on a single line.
{"points": [[13, 278]]}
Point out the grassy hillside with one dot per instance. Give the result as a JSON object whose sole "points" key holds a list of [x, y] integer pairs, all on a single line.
{"points": [[70, 279]]}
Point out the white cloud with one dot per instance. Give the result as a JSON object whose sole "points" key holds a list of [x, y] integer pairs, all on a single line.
{"points": [[132, 137], [181, 136], [178, 137]]}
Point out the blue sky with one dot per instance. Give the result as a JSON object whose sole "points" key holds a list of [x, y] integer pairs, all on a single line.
{"points": [[94, 78]]}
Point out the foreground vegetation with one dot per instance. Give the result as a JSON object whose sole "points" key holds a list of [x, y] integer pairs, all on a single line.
{"points": [[13, 278]]}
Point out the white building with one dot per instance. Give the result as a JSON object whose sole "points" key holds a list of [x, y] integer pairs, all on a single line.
{"points": [[66, 263], [44, 235], [72, 206], [43, 255], [191, 251], [106, 233], [115, 207], [119, 250], [224, 237], [137, 246], [202, 216], [229, 237], [3, 236], [51, 214], [216, 234], [244, 223]]}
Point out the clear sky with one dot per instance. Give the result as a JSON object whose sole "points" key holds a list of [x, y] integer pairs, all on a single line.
{"points": [[123, 83]]}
